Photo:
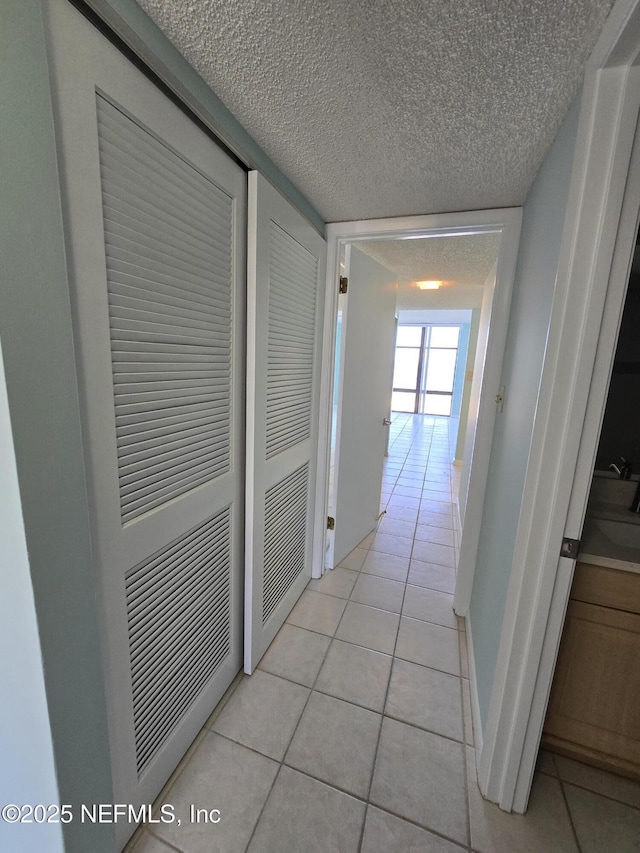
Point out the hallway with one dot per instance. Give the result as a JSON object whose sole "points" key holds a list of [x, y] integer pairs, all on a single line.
{"points": [[355, 732]]}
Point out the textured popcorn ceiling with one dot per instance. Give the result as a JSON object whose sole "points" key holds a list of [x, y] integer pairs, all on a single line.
{"points": [[461, 263], [376, 108]]}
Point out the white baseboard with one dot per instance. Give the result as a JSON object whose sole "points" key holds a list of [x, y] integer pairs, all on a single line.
{"points": [[473, 689]]}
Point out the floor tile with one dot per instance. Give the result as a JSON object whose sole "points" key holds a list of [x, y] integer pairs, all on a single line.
{"points": [[430, 605], [226, 776], [436, 491], [609, 784], [464, 655], [403, 513], [440, 487], [369, 627], [436, 519], [366, 542], [432, 576], [467, 712], [435, 505], [420, 776], [545, 763], [148, 843], [385, 833], [426, 698], [429, 645], [355, 559], [336, 743], [355, 674], [434, 477], [602, 824], [296, 654], [332, 821], [338, 582], [398, 545], [397, 527], [431, 533], [408, 491], [262, 713], [413, 479], [545, 827], [317, 612], [431, 552], [379, 592], [386, 565], [404, 500]]}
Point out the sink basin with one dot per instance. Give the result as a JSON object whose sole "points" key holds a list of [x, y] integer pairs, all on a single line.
{"points": [[619, 532]]}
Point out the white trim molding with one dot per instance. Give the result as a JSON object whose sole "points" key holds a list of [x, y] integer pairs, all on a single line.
{"points": [[473, 690], [540, 579], [507, 222]]}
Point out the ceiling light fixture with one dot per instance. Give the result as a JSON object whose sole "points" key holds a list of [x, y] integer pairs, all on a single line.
{"points": [[429, 285]]}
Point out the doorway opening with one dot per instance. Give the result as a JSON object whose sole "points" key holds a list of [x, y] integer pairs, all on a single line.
{"points": [[588, 716], [347, 241]]}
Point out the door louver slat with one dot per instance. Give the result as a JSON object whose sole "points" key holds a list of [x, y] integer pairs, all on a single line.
{"points": [[285, 536], [292, 313], [126, 269], [178, 605]]}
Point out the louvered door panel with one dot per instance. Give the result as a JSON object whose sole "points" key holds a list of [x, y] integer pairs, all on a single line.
{"points": [[179, 618], [285, 537], [156, 215], [290, 349], [286, 269], [170, 345]]}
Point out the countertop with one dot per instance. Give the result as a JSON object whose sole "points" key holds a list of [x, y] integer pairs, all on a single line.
{"points": [[599, 549]]}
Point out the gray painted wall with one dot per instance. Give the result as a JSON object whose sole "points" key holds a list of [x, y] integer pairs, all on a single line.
{"points": [[36, 335], [26, 753], [542, 225], [466, 390]]}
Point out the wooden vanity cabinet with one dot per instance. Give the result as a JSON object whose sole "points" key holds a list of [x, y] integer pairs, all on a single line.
{"points": [[594, 707]]}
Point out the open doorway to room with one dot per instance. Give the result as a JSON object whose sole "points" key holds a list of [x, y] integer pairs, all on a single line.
{"points": [[590, 715], [457, 318]]}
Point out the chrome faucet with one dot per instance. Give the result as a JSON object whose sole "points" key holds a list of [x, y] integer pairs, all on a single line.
{"points": [[624, 471]]}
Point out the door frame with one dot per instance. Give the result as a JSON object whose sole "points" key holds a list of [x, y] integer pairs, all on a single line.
{"points": [[486, 382], [598, 230]]}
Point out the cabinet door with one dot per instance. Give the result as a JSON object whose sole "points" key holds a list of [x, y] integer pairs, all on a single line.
{"points": [[594, 700]]}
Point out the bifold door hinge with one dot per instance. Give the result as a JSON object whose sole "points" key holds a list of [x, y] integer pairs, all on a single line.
{"points": [[331, 522], [344, 284], [499, 398], [570, 548]]}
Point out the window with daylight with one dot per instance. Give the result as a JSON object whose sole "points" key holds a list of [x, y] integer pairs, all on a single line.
{"points": [[424, 370]]}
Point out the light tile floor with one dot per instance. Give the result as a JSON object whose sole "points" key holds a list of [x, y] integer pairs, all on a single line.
{"points": [[355, 733]]}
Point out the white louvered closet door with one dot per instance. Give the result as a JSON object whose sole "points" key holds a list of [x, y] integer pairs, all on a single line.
{"points": [[285, 290], [156, 215]]}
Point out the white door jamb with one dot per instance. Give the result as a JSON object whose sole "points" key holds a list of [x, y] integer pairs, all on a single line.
{"points": [[540, 580]]}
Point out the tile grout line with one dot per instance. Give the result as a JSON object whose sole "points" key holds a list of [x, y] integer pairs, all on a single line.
{"points": [[293, 734], [567, 807], [386, 694]]}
